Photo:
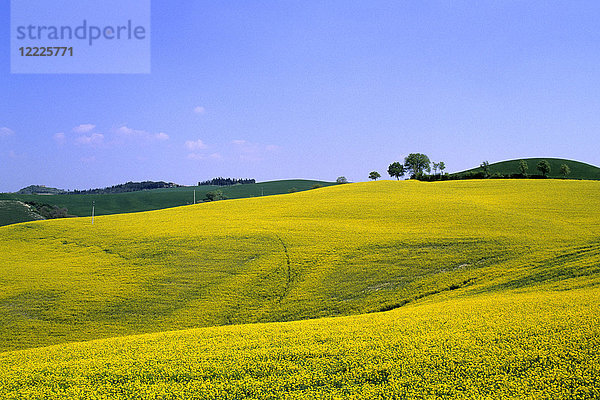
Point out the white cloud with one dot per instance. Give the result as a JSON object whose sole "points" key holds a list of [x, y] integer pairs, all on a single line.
{"points": [[239, 142], [60, 137], [93, 139], [6, 132], [140, 134], [199, 110], [195, 144], [84, 128], [127, 131], [272, 147]]}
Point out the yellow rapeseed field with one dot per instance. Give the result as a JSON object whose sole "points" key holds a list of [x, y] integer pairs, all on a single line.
{"points": [[535, 345], [492, 287]]}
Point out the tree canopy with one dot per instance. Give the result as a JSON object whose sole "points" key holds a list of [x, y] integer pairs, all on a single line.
{"points": [[214, 196], [485, 166], [416, 164], [544, 167], [523, 167], [396, 170], [374, 175]]}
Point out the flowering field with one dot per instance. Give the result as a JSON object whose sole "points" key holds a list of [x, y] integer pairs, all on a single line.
{"points": [[527, 345], [488, 288]]}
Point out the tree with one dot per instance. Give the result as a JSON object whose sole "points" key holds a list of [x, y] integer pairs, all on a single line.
{"points": [[396, 170], [565, 170], [417, 164], [523, 167], [215, 195], [441, 166], [435, 167], [485, 166], [544, 167], [341, 179], [374, 175]]}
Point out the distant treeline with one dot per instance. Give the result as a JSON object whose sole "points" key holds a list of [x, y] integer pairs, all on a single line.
{"points": [[127, 187], [226, 182]]}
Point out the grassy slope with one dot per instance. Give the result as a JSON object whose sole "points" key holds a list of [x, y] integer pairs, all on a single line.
{"points": [[500, 280], [81, 205], [13, 211], [579, 170], [342, 250]]}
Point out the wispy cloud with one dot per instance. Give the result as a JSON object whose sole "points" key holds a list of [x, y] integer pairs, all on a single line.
{"points": [[59, 137], [127, 131], [195, 145], [4, 131], [199, 110], [141, 134], [84, 128], [93, 139], [161, 136]]}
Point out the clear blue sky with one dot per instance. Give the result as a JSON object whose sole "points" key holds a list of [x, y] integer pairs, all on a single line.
{"points": [[313, 89]]}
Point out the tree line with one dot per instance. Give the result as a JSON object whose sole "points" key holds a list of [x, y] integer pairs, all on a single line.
{"points": [[521, 171], [127, 187], [220, 181]]}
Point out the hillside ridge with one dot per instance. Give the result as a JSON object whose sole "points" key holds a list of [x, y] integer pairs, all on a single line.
{"points": [[578, 169]]}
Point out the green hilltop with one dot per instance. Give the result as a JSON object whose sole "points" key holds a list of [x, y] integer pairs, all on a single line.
{"points": [[579, 170], [40, 189]]}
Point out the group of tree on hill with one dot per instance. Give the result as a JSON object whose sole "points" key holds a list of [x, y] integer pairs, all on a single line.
{"points": [[419, 166], [220, 181], [40, 189], [543, 167]]}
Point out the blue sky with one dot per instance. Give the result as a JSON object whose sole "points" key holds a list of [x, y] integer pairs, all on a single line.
{"points": [[313, 89]]}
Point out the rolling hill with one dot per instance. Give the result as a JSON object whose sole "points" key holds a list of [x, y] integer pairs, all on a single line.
{"points": [[464, 289], [81, 204], [14, 211], [579, 170]]}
